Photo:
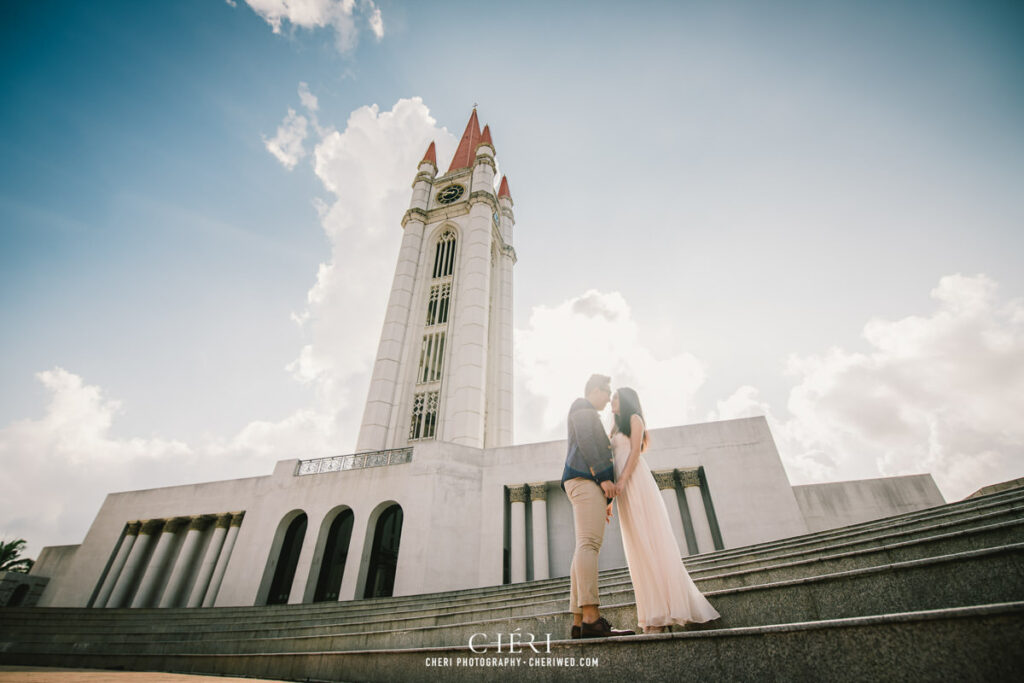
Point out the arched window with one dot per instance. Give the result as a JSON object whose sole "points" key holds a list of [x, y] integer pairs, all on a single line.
{"points": [[332, 567], [380, 578], [444, 255], [287, 560]]}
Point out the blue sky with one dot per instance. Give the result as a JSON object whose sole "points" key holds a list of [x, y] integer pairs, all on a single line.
{"points": [[805, 210]]}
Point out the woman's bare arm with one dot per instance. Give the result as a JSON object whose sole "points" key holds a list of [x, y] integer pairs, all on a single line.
{"points": [[636, 439]]}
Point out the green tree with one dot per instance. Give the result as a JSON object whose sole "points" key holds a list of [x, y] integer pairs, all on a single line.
{"points": [[9, 557]]}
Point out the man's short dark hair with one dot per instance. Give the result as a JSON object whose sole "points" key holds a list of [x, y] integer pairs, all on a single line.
{"points": [[597, 382]]}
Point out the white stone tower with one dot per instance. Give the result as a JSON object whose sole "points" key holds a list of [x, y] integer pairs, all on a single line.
{"points": [[444, 364]]}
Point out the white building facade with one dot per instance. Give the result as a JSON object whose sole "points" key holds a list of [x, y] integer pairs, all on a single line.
{"points": [[436, 497]]}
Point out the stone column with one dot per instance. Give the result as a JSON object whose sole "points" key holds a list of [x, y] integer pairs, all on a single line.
{"points": [[209, 561], [147, 594], [130, 535], [222, 561], [667, 484], [517, 535], [466, 388], [506, 260], [539, 503], [698, 515], [132, 567], [505, 360], [354, 561], [186, 558], [378, 414]]}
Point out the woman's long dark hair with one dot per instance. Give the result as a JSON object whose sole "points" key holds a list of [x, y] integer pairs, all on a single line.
{"points": [[629, 405]]}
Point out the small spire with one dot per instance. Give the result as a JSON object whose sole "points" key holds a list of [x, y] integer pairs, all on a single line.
{"points": [[431, 154], [486, 137], [503, 190], [466, 152]]}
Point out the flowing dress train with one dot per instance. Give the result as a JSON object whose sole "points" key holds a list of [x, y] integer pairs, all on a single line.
{"points": [[665, 593]]}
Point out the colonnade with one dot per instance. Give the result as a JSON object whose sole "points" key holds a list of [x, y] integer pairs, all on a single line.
{"points": [[689, 479], [154, 549], [535, 495]]}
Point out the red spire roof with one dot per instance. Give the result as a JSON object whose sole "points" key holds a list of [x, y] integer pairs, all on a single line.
{"points": [[503, 190], [431, 154], [486, 137], [466, 152]]}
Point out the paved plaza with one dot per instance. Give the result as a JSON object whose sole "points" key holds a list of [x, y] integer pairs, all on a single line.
{"points": [[38, 674]]}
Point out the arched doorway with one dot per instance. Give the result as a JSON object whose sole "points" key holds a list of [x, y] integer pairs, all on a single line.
{"points": [[287, 560], [18, 596], [380, 578], [332, 567]]}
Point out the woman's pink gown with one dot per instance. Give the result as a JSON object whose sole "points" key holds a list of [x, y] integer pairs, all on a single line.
{"points": [[665, 593]]}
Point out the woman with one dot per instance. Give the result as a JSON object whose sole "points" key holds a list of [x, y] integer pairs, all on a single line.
{"points": [[665, 593]]}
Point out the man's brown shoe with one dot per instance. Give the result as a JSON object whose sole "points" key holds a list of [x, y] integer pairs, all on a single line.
{"points": [[601, 629], [575, 632]]}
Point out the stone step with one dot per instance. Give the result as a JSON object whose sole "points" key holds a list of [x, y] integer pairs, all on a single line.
{"points": [[955, 536], [552, 602], [284, 624], [972, 643], [988, 576], [1009, 502]]}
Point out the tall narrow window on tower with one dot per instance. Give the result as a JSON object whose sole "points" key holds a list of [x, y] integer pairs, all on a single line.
{"points": [[426, 396], [444, 255], [424, 416], [437, 305], [431, 354]]}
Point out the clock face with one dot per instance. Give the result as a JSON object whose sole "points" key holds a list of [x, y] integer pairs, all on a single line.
{"points": [[450, 194]]}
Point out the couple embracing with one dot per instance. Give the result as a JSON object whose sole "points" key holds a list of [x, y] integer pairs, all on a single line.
{"points": [[598, 470]]}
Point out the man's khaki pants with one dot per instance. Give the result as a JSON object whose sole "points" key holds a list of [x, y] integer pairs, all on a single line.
{"points": [[588, 510]]}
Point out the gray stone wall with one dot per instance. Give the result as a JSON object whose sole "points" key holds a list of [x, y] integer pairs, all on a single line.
{"points": [[836, 504]]}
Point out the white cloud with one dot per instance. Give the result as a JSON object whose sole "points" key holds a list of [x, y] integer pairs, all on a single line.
{"points": [[287, 145], [308, 99], [941, 393], [58, 468], [594, 332], [374, 18], [804, 463], [367, 169], [340, 15]]}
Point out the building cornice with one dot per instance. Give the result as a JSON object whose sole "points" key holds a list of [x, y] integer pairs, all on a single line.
{"points": [[484, 159], [509, 251], [665, 480], [484, 197], [151, 526], [689, 478], [422, 176], [414, 214], [517, 493]]}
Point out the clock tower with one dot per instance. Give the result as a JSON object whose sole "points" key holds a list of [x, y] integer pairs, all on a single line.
{"points": [[444, 363]]}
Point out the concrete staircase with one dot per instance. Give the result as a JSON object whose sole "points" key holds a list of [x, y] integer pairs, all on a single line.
{"points": [[936, 594]]}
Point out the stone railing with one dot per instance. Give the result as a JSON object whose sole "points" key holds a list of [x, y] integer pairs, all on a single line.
{"points": [[357, 461]]}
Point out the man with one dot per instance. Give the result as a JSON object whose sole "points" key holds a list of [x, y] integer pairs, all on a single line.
{"points": [[588, 480]]}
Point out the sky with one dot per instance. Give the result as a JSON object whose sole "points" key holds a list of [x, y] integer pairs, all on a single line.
{"points": [[809, 211]]}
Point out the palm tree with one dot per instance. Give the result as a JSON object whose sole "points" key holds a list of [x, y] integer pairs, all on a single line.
{"points": [[9, 560]]}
